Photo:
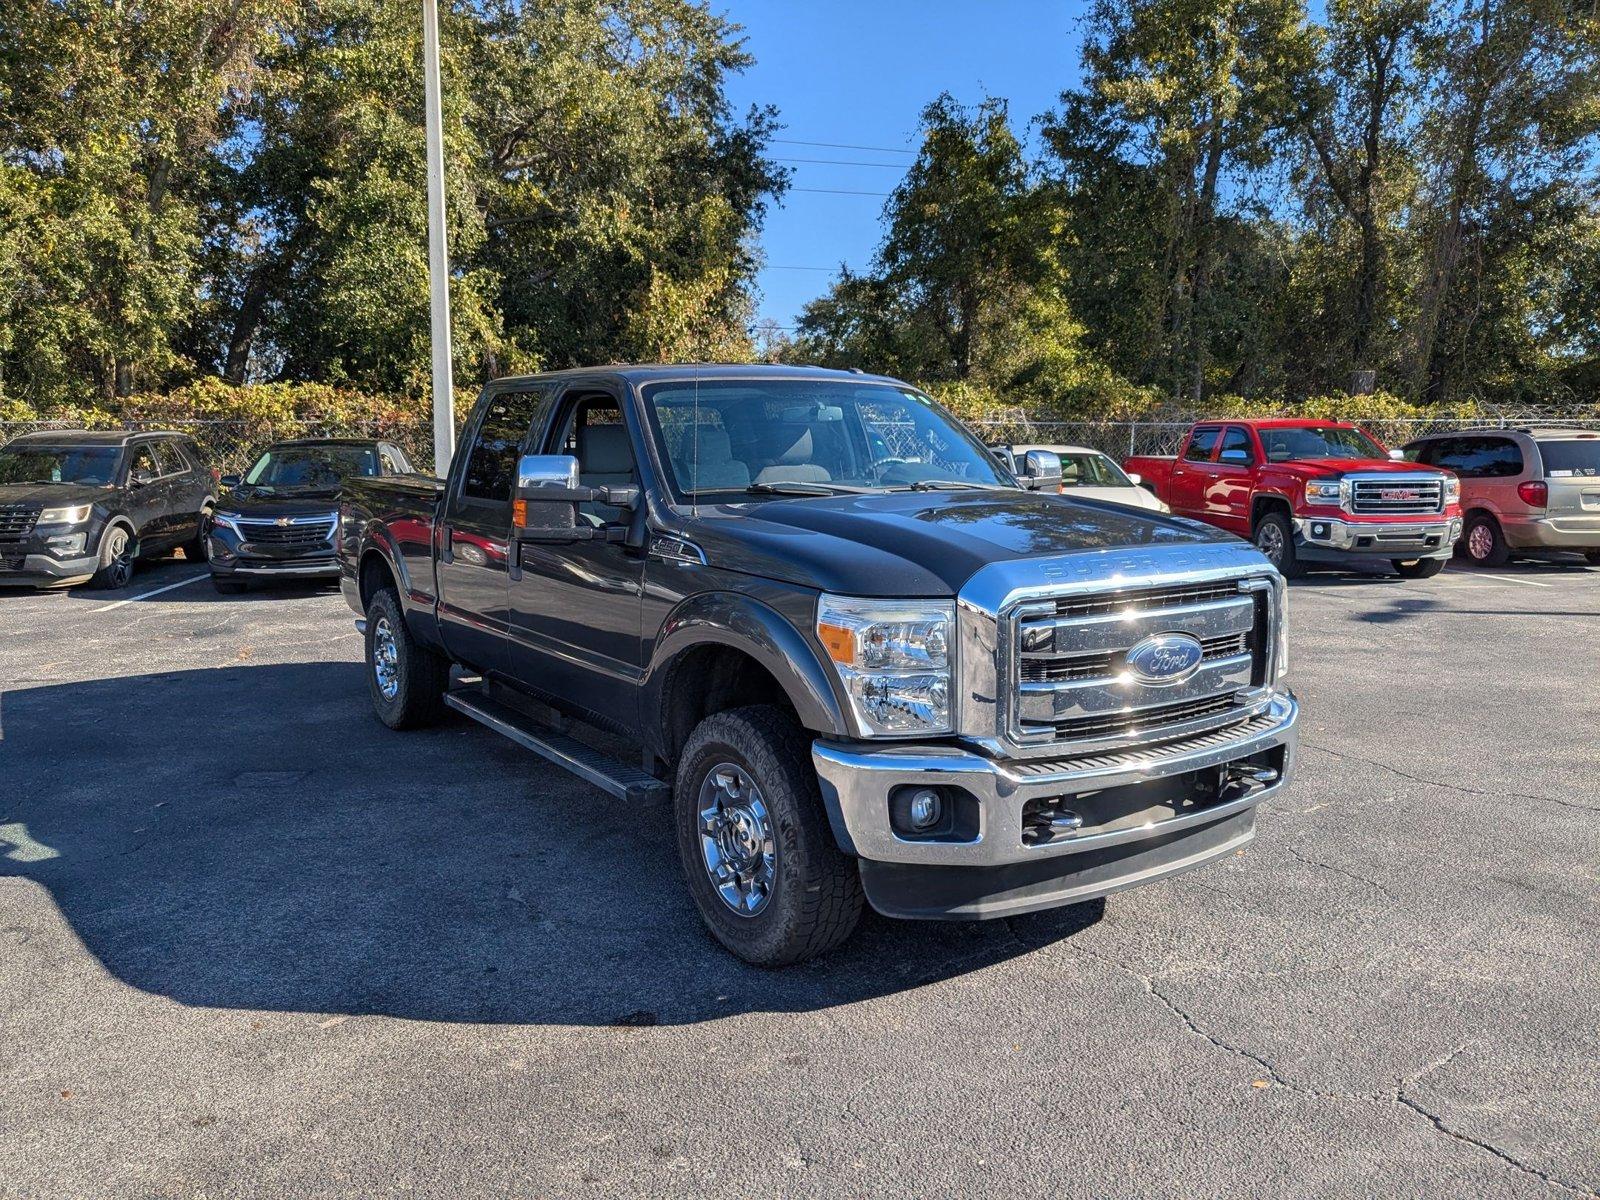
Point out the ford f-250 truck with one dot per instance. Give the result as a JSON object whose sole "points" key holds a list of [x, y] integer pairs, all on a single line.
{"points": [[861, 659], [1308, 491]]}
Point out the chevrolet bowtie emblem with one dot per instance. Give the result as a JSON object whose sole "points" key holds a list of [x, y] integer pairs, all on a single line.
{"points": [[281, 522]]}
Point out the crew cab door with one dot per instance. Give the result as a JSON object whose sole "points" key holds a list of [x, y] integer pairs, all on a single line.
{"points": [[472, 541], [1233, 481], [575, 606], [1191, 473]]}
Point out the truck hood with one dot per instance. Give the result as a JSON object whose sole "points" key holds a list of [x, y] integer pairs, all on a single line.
{"points": [[921, 543], [1321, 468], [52, 494], [250, 502]]}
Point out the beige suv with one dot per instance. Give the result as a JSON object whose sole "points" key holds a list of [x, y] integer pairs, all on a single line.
{"points": [[1532, 490]]}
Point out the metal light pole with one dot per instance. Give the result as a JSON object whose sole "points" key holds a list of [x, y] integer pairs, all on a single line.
{"points": [[444, 420]]}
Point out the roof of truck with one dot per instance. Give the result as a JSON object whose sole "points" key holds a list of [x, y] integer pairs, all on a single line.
{"points": [[1281, 422], [655, 372], [87, 437]]}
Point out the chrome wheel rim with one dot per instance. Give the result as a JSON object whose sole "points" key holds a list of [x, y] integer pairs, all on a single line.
{"points": [[736, 842], [385, 659], [1269, 540], [1480, 542], [121, 558]]}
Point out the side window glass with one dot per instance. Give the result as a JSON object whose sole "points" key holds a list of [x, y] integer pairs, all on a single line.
{"points": [[168, 458], [492, 458], [144, 464], [1201, 443], [1502, 459], [1238, 440]]}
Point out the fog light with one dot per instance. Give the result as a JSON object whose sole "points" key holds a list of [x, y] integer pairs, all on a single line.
{"points": [[926, 808], [1319, 530], [69, 543]]}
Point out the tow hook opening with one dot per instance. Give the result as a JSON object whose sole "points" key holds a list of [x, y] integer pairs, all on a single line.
{"points": [[1054, 820]]}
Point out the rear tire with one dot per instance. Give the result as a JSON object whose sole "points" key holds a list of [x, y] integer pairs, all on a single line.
{"points": [[1274, 537], [194, 550], [118, 549], [1484, 543], [1417, 568], [758, 854], [407, 680]]}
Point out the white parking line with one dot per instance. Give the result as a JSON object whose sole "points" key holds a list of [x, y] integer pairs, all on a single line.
{"points": [[153, 592], [1528, 582]]}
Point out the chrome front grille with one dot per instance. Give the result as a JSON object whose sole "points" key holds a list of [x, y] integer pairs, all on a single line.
{"points": [[1070, 682], [1396, 494], [300, 533], [17, 521]]}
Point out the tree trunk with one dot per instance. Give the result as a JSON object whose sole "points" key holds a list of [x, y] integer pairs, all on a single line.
{"points": [[247, 323], [1205, 241]]}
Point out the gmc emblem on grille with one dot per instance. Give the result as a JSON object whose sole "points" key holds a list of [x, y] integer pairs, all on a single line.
{"points": [[1165, 658], [1399, 494]]}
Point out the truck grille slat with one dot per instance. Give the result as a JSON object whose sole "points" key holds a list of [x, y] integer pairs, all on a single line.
{"points": [[17, 521], [266, 533], [1104, 666]]}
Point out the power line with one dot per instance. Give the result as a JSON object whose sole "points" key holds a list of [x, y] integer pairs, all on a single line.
{"points": [[846, 146], [839, 192], [841, 162]]}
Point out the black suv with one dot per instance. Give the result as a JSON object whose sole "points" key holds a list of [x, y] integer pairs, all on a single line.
{"points": [[79, 506], [277, 520]]}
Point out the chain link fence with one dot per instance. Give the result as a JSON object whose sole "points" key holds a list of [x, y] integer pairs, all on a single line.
{"points": [[232, 445]]}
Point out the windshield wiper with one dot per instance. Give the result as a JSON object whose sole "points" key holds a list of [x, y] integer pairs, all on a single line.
{"points": [[943, 485], [797, 488]]}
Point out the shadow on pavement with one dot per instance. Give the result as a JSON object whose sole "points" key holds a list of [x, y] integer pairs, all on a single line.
{"points": [[250, 837]]}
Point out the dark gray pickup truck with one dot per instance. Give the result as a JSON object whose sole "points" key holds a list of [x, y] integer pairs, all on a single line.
{"points": [[861, 658]]}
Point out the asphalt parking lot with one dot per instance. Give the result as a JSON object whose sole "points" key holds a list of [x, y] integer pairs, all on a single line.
{"points": [[254, 944]]}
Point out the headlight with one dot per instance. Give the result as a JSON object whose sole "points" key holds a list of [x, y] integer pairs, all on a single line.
{"points": [[71, 514], [1452, 490], [226, 520], [893, 657], [1324, 491]]}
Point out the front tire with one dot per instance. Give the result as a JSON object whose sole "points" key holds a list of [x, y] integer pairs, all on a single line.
{"points": [[758, 855], [1484, 542], [1417, 568], [117, 552], [407, 680], [194, 550], [1274, 537]]}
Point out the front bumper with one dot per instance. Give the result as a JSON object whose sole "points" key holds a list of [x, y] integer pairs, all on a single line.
{"points": [[1329, 538], [1136, 827], [228, 557], [22, 568], [1554, 533]]}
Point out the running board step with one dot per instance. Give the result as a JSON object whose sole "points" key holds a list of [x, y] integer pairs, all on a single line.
{"points": [[606, 773]]}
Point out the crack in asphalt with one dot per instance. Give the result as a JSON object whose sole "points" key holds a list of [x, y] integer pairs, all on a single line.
{"points": [[1449, 787], [1348, 874], [1396, 1096]]}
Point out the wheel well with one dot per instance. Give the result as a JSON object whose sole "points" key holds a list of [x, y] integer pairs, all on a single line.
{"points": [[1262, 505], [1473, 513], [707, 680], [375, 575]]}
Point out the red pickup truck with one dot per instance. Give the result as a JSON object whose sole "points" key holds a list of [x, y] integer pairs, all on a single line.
{"points": [[1310, 492]]}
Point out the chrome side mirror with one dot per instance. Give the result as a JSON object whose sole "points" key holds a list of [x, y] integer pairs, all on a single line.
{"points": [[1135, 478], [1235, 458], [1398, 455], [544, 507], [1042, 469]]}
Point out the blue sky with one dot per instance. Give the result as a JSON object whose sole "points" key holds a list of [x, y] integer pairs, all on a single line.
{"points": [[857, 72]]}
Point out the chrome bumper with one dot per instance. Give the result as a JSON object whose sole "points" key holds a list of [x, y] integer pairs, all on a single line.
{"points": [[1554, 533], [1426, 539], [856, 783]]}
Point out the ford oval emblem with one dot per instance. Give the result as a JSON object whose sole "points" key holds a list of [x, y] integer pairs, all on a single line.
{"points": [[1165, 658]]}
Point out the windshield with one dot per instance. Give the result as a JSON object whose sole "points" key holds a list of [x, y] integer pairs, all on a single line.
{"points": [[59, 464], [807, 436], [1564, 459], [1318, 441], [1091, 470], [311, 466]]}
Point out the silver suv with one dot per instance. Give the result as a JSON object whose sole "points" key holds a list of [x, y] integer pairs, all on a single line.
{"points": [[1529, 490]]}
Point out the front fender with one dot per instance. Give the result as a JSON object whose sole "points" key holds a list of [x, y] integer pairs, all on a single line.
{"points": [[766, 635]]}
